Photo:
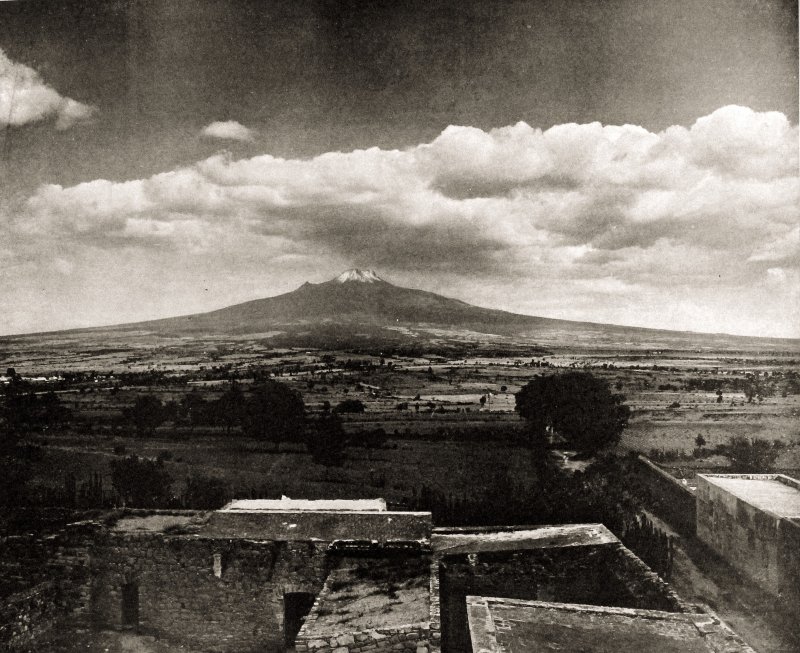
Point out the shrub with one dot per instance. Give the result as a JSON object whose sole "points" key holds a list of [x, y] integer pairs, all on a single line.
{"points": [[349, 406]]}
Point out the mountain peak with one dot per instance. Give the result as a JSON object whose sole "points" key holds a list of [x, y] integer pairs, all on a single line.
{"points": [[362, 276]]}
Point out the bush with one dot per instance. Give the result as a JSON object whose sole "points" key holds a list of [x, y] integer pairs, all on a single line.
{"points": [[349, 406], [326, 441], [750, 456], [141, 483], [205, 492]]}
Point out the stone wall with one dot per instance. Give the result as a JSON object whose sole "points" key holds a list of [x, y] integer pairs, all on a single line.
{"points": [[668, 497], [321, 525], [410, 638], [435, 622], [763, 546], [210, 593], [789, 563], [608, 575], [56, 591], [27, 618]]}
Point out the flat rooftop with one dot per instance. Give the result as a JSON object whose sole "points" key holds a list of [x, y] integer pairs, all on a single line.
{"points": [[543, 537], [286, 504], [515, 626], [773, 493]]}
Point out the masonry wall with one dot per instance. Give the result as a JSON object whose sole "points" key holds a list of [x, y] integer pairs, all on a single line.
{"points": [[667, 497], [607, 575], [762, 546], [181, 598], [323, 525], [411, 638], [27, 618], [46, 586]]}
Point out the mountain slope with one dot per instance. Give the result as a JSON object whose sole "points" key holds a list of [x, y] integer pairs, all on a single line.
{"points": [[359, 304], [354, 296]]}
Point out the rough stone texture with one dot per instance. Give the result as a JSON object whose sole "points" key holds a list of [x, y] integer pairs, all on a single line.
{"points": [[435, 622], [29, 616], [505, 625], [181, 599], [605, 574], [377, 526], [408, 637], [675, 501], [318, 635], [761, 544]]}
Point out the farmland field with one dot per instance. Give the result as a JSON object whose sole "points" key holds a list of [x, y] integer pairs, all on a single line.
{"points": [[449, 422]]}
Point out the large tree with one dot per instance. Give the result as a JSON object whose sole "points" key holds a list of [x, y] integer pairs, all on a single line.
{"points": [[273, 411], [577, 406], [146, 414], [141, 483]]}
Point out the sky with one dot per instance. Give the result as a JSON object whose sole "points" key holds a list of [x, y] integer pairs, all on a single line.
{"points": [[627, 161]]}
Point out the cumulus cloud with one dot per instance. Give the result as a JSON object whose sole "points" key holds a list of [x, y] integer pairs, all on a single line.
{"points": [[26, 98], [228, 129], [617, 213]]}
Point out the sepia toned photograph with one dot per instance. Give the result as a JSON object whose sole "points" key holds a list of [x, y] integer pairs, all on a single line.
{"points": [[399, 326]]}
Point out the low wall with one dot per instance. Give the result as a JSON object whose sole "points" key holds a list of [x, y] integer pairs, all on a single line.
{"points": [[668, 498], [411, 637]]}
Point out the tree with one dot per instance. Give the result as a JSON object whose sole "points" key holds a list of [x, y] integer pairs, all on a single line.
{"points": [[274, 412], [141, 483], [750, 456], [147, 413], [577, 406], [230, 407], [349, 406], [326, 440], [205, 492]]}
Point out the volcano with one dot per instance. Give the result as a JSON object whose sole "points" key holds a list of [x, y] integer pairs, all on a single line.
{"points": [[355, 297], [358, 306]]}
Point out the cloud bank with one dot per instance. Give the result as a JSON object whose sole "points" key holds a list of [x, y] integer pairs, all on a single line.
{"points": [[691, 228], [230, 130], [25, 98]]}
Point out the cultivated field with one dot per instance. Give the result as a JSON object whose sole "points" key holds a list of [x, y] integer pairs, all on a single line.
{"points": [[449, 421]]}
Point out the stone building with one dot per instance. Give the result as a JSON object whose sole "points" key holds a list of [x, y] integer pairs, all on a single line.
{"points": [[753, 521], [324, 577]]}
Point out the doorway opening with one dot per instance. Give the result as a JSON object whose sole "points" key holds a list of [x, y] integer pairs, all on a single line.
{"points": [[296, 606], [130, 604]]}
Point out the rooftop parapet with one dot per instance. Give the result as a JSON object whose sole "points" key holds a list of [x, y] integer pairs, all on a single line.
{"points": [[775, 494], [327, 521], [499, 625]]}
